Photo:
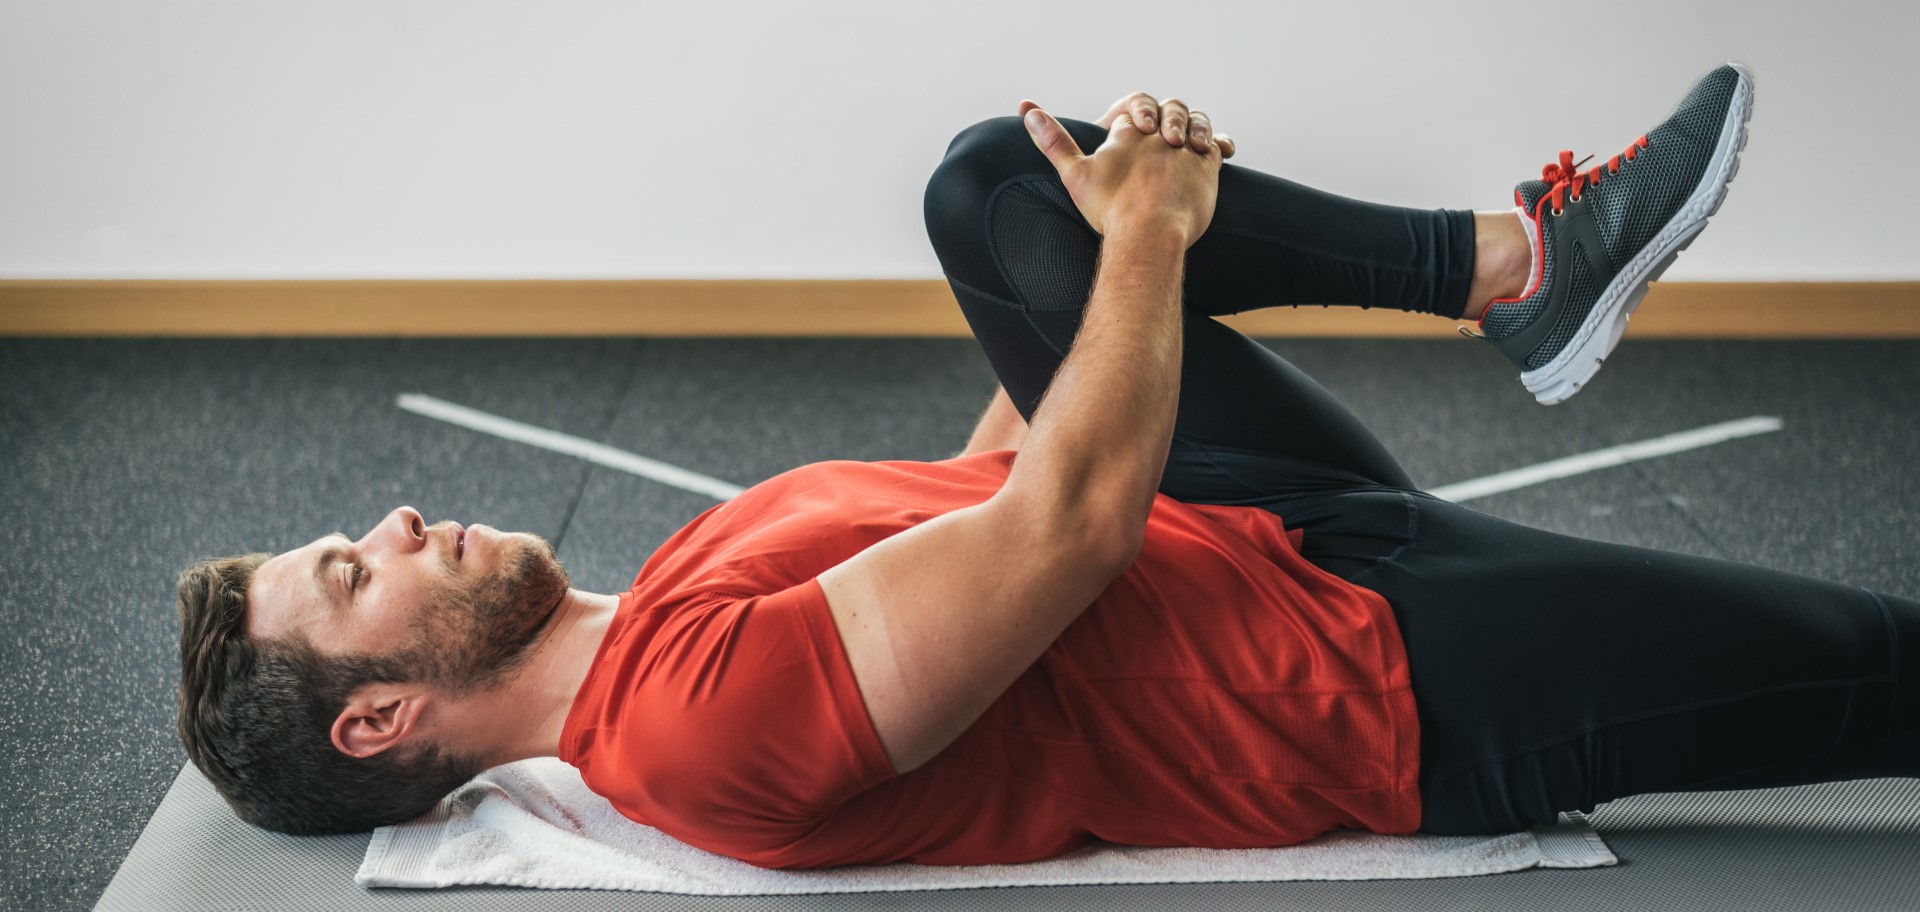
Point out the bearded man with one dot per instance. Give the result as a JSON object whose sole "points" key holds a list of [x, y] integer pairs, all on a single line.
{"points": [[1173, 593]]}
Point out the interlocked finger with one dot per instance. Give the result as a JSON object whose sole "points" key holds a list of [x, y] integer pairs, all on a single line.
{"points": [[1199, 131], [1176, 125], [1144, 110], [1173, 121], [1139, 108]]}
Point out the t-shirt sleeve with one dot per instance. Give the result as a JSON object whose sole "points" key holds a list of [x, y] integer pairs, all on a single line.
{"points": [[758, 729]]}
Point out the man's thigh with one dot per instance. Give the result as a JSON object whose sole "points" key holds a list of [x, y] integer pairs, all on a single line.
{"points": [[1553, 672]]}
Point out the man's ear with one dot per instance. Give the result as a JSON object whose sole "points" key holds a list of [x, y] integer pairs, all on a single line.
{"points": [[377, 717]]}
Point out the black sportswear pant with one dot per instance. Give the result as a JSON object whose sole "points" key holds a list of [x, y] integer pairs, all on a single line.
{"points": [[1551, 673]]}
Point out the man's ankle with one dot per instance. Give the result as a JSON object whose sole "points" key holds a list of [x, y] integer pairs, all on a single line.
{"points": [[1502, 260]]}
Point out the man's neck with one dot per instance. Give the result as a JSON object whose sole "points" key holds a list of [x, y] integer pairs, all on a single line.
{"points": [[523, 717]]}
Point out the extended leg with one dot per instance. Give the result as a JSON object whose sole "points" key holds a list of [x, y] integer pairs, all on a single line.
{"points": [[1554, 673]]}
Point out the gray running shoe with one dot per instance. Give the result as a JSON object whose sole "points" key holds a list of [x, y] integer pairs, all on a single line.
{"points": [[1603, 234]]}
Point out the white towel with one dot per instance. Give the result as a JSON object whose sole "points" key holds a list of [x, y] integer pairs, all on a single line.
{"points": [[535, 824]]}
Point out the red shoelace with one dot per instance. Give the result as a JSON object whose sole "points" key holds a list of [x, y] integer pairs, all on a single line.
{"points": [[1566, 177]]}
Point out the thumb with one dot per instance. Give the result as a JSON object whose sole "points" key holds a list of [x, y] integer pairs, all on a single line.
{"points": [[1052, 138]]}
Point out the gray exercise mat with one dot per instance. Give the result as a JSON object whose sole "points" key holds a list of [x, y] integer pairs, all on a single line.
{"points": [[1834, 846]]}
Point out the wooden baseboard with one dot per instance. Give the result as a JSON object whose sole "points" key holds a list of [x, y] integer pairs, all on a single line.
{"points": [[760, 307]]}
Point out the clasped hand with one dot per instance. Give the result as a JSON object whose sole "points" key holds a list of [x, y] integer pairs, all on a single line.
{"points": [[1159, 167]]}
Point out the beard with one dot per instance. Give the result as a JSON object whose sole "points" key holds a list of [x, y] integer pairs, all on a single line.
{"points": [[470, 639]]}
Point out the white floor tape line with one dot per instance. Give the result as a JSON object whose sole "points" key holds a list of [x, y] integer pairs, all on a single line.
{"points": [[597, 453], [1607, 458], [666, 473]]}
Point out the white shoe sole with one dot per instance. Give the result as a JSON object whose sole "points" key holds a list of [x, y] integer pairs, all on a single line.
{"points": [[1558, 379]]}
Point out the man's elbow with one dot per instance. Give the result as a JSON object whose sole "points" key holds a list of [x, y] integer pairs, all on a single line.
{"points": [[1108, 538], [1126, 549], [1096, 530]]}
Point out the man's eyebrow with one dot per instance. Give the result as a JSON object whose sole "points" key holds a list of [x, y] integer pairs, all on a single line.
{"points": [[326, 560]]}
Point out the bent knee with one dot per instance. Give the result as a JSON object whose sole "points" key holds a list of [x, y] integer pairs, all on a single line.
{"points": [[979, 158], [987, 135], [979, 161]]}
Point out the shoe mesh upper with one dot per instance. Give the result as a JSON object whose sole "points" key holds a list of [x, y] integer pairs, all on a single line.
{"points": [[1629, 208], [1584, 289], [1632, 206]]}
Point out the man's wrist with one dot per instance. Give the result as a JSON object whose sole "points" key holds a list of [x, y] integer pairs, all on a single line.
{"points": [[1146, 227]]}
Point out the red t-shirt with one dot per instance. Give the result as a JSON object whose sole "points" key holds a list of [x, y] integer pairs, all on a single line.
{"points": [[1222, 693]]}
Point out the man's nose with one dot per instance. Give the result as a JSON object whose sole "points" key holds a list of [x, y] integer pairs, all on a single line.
{"points": [[404, 529]]}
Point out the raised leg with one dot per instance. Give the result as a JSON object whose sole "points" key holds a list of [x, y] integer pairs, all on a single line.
{"points": [[1021, 262]]}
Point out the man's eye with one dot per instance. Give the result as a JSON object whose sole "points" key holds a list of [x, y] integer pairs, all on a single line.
{"points": [[354, 584]]}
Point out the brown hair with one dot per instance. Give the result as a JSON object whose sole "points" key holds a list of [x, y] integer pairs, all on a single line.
{"points": [[256, 717]]}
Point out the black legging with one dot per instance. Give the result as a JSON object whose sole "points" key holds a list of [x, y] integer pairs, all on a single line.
{"points": [[1551, 673]]}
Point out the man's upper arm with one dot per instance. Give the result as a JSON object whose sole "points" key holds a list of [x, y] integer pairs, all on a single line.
{"points": [[939, 620]]}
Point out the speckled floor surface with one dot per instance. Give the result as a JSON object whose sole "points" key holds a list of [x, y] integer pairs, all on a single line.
{"points": [[122, 460]]}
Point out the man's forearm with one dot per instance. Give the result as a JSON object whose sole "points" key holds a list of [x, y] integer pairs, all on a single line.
{"points": [[1097, 445]]}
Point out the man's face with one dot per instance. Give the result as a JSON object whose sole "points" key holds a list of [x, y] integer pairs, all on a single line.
{"points": [[460, 604]]}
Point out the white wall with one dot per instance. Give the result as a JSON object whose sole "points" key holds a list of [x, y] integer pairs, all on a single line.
{"points": [[604, 139]]}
